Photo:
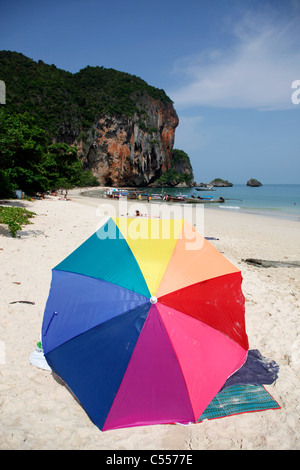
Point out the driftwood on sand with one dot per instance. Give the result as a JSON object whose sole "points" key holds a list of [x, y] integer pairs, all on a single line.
{"points": [[262, 263]]}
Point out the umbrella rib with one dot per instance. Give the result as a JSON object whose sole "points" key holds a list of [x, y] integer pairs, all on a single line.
{"points": [[103, 280], [164, 300], [194, 284], [179, 363]]}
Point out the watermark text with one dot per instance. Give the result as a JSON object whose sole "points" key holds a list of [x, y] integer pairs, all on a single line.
{"points": [[164, 222], [296, 94], [2, 92]]}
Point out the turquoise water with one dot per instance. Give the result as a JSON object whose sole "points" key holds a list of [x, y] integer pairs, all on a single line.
{"points": [[270, 199], [280, 200]]}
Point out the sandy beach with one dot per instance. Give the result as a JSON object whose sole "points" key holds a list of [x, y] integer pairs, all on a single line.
{"points": [[38, 412]]}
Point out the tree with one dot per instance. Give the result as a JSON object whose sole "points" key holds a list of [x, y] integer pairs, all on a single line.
{"points": [[31, 162], [64, 169], [22, 145]]}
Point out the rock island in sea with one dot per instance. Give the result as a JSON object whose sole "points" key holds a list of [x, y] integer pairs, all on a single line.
{"points": [[254, 183]]}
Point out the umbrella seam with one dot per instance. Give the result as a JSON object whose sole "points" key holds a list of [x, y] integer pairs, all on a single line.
{"points": [[199, 282], [93, 327], [105, 281], [179, 363]]}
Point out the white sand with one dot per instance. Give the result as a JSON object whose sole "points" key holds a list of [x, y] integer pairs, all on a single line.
{"points": [[38, 412]]}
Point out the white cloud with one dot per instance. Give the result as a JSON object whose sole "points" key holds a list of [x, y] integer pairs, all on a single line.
{"points": [[256, 72]]}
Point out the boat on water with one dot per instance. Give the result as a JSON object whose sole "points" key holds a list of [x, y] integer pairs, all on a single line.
{"points": [[169, 198], [156, 196], [204, 188], [138, 195], [141, 196], [115, 193], [204, 200], [193, 200], [122, 193]]}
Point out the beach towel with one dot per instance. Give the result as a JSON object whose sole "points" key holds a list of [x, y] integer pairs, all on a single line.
{"points": [[257, 370], [243, 392], [239, 399]]}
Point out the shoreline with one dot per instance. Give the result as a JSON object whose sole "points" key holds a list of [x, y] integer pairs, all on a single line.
{"points": [[264, 212], [38, 412], [273, 213]]}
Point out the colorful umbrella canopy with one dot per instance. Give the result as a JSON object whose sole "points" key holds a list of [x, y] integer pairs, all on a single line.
{"points": [[144, 322]]}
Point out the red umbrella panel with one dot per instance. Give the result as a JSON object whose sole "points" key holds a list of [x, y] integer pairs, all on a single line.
{"points": [[145, 321]]}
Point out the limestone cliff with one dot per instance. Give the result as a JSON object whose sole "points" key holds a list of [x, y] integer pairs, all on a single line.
{"points": [[131, 151], [123, 128]]}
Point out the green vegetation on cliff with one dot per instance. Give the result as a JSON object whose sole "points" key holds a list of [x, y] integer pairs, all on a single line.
{"points": [[58, 98], [220, 182], [31, 162], [43, 102], [180, 172]]}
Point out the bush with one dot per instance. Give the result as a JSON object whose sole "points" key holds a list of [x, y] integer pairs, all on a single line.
{"points": [[6, 187], [15, 217], [173, 177]]}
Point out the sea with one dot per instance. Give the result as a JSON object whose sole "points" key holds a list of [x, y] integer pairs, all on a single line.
{"points": [[280, 200]]}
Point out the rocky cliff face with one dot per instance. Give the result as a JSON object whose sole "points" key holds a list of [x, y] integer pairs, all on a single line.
{"points": [[129, 151], [123, 128]]}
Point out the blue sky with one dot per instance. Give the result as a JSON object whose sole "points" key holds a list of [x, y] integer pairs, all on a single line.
{"points": [[227, 65]]}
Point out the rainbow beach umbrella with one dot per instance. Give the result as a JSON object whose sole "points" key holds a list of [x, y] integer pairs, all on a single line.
{"points": [[144, 322]]}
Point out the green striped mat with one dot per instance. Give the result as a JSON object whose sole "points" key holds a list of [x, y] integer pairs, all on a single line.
{"points": [[239, 399]]}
